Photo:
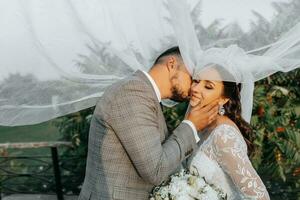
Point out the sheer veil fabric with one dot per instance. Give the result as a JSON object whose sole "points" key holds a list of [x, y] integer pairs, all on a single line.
{"points": [[60, 60], [234, 63]]}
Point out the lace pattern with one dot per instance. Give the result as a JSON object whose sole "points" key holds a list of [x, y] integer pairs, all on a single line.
{"points": [[225, 145]]}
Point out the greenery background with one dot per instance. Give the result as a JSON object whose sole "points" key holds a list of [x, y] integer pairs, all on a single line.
{"points": [[275, 117]]}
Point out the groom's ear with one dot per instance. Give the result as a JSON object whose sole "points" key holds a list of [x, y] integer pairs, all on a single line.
{"points": [[171, 64]]}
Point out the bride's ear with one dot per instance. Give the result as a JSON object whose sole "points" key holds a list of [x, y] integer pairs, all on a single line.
{"points": [[223, 101]]}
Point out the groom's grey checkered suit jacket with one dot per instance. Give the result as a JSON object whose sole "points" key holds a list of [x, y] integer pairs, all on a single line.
{"points": [[130, 149]]}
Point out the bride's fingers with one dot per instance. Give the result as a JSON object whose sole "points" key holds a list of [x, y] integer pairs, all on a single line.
{"points": [[206, 108], [213, 112], [212, 117], [211, 106]]}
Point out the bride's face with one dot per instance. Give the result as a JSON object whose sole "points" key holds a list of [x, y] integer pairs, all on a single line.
{"points": [[204, 92]]}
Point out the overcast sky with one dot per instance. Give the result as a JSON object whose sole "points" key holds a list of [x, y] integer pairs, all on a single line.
{"points": [[236, 10]]}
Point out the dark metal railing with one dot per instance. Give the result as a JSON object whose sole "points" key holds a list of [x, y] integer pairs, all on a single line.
{"points": [[42, 171]]}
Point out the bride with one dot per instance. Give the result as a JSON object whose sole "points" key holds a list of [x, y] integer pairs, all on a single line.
{"points": [[222, 158]]}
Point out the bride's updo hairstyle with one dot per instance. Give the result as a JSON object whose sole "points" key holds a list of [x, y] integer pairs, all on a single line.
{"points": [[233, 108]]}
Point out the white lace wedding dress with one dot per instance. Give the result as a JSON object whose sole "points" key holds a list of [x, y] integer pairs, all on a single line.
{"points": [[222, 160]]}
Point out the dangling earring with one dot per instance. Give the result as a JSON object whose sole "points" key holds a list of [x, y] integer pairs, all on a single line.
{"points": [[221, 110]]}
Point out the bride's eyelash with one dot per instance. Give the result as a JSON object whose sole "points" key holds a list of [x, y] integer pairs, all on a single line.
{"points": [[209, 87]]}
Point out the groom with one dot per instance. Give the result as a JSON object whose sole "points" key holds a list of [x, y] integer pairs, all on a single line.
{"points": [[130, 149]]}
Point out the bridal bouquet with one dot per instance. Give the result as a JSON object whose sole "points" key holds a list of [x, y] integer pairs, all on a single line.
{"points": [[186, 186]]}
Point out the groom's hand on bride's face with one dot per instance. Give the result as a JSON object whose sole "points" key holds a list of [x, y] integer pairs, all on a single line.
{"points": [[203, 116]]}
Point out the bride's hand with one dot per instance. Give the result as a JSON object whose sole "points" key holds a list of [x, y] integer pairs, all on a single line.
{"points": [[203, 116]]}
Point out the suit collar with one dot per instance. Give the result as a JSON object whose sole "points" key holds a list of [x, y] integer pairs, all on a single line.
{"points": [[145, 76]]}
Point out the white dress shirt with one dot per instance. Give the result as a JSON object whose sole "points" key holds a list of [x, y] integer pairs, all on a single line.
{"points": [[158, 95]]}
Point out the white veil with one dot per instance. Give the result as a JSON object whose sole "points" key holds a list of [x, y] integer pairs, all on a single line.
{"points": [[57, 57], [243, 67]]}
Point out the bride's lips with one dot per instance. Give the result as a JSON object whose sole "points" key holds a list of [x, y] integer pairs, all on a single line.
{"points": [[195, 97]]}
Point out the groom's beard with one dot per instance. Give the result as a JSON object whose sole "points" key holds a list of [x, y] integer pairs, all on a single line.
{"points": [[178, 95]]}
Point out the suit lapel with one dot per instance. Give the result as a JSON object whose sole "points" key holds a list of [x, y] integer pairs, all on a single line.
{"points": [[161, 119]]}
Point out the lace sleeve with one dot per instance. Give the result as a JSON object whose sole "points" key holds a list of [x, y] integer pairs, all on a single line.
{"points": [[231, 153]]}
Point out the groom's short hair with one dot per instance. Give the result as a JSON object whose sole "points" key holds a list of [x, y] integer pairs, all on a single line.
{"points": [[172, 51]]}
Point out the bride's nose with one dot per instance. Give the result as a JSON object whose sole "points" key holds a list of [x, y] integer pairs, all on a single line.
{"points": [[196, 88]]}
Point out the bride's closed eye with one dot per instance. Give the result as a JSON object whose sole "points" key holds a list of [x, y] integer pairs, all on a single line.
{"points": [[209, 85]]}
